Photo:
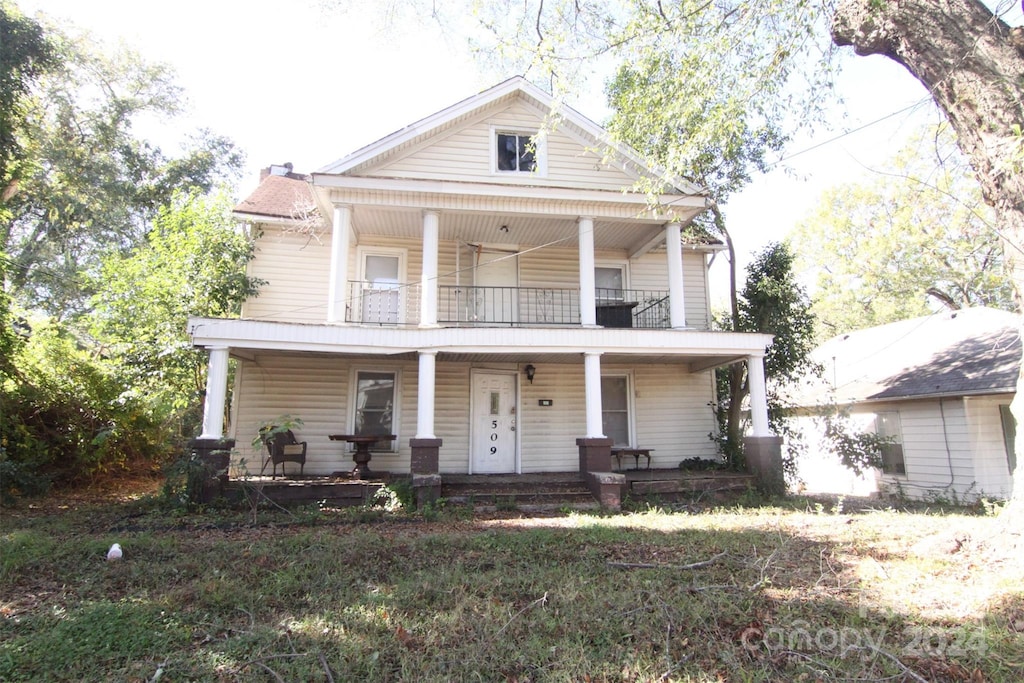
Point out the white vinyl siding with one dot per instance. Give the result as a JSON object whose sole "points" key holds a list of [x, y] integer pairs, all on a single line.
{"points": [[671, 411], [466, 154], [936, 450], [296, 270], [991, 468], [671, 415]]}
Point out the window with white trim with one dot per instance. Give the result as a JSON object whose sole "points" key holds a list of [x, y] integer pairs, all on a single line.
{"points": [[374, 401], [887, 424], [615, 418], [517, 152], [609, 281]]}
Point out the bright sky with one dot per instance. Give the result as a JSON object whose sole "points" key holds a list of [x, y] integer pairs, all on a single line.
{"points": [[291, 81]]}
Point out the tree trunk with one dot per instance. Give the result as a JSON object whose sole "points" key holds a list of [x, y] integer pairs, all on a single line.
{"points": [[967, 59]]}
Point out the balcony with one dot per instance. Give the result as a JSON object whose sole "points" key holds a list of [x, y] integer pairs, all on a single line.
{"points": [[397, 304]]}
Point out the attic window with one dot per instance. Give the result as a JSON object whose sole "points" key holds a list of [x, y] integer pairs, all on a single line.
{"points": [[516, 152]]}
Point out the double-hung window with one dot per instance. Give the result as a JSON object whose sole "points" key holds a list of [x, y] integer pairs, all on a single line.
{"points": [[615, 409], [887, 424], [375, 400], [517, 152]]}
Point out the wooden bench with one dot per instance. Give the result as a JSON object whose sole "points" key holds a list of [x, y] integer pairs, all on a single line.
{"points": [[637, 453]]}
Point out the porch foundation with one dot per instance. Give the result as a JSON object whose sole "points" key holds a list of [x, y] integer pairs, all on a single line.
{"points": [[215, 456], [426, 489], [425, 455], [595, 455], [607, 488], [764, 460], [596, 471]]}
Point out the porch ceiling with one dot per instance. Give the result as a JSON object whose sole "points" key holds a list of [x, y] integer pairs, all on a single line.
{"points": [[505, 228]]}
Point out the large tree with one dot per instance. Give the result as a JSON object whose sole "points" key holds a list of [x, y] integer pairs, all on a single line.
{"points": [[972, 63], [192, 262], [895, 245], [88, 184], [772, 301], [25, 54]]}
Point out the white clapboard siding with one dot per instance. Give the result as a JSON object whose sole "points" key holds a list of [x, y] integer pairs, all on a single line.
{"points": [[548, 434], [465, 154], [671, 413], [316, 389], [936, 450], [296, 269], [991, 466], [650, 272]]}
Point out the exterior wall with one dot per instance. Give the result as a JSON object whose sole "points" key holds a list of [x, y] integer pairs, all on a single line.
{"points": [[465, 154], [991, 467], [297, 271], [952, 448], [670, 411]]}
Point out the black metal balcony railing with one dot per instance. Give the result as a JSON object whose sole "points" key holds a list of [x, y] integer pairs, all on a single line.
{"points": [[524, 306], [398, 304]]}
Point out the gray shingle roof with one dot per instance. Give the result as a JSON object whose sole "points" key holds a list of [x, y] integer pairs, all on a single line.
{"points": [[959, 353]]}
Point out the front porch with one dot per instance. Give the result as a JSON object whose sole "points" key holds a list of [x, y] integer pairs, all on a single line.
{"points": [[525, 492]]}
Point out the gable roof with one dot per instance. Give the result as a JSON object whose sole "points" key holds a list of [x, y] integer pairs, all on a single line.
{"points": [[953, 353], [517, 87]]}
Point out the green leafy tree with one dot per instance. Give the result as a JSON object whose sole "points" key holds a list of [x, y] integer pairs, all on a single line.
{"points": [[89, 185], [772, 302], [192, 262], [25, 54], [891, 248]]}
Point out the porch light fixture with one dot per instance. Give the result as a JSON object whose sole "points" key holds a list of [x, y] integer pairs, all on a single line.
{"points": [[530, 372]]}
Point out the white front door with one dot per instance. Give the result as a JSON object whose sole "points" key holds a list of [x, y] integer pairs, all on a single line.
{"points": [[494, 424], [381, 289], [497, 277]]}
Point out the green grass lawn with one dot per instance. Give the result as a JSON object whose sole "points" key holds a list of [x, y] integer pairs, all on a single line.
{"points": [[791, 592]]}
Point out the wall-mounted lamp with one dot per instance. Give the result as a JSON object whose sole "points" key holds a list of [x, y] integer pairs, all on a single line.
{"points": [[530, 372]]}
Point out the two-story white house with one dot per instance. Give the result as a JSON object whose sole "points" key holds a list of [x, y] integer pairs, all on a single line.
{"points": [[488, 288]]}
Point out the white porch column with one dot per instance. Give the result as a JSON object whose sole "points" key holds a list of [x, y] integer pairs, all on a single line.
{"points": [[674, 248], [425, 396], [592, 384], [216, 393], [337, 293], [758, 396], [428, 280], [588, 294]]}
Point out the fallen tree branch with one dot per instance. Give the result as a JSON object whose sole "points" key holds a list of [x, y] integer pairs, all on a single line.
{"points": [[327, 668], [680, 567], [895, 660], [539, 601]]}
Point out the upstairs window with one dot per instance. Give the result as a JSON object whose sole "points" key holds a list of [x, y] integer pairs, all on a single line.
{"points": [[516, 152]]}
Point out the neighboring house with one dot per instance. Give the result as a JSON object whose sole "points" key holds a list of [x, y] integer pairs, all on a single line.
{"points": [[941, 386], [487, 288]]}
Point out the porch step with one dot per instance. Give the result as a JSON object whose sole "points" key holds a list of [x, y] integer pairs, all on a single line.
{"points": [[687, 485], [518, 492]]}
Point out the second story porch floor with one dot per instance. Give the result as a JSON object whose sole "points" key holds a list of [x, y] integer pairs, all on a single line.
{"points": [[373, 303]]}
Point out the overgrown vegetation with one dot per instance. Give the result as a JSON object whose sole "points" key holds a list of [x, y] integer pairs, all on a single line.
{"points": [[107, 244], [808, 592]]}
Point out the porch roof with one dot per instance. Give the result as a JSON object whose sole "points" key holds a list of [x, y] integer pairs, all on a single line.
{"points": [[700, 349]]}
